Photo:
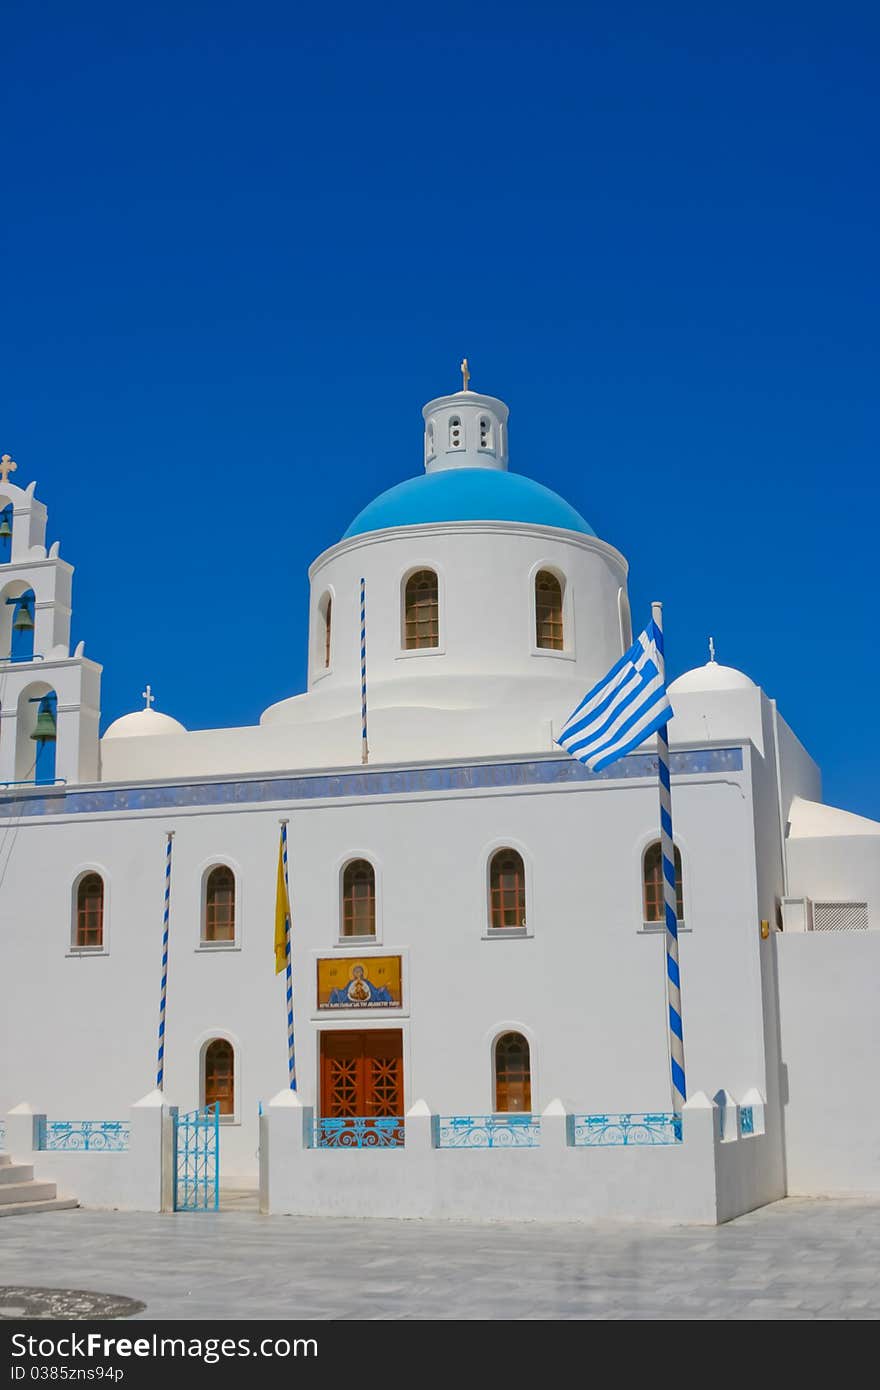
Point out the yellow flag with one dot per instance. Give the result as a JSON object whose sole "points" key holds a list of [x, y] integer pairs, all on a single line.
{"points": [[282, 912]]}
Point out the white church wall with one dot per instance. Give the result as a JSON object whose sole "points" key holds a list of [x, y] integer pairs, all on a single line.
{"points": [[829, 984], [837, 868], [486, 572], [587, 984]]}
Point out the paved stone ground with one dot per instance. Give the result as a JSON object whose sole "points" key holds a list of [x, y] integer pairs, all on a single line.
{"points": [[800, 1258]]}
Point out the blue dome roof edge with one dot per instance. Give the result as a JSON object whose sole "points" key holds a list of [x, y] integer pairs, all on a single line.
{"points": [[467, 494]]}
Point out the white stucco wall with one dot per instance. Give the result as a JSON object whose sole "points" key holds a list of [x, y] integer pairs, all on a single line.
{"points": [[587, 985], [829, 986]]}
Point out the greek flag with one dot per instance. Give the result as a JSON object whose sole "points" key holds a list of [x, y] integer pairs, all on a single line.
{"points": [[623, 709]]}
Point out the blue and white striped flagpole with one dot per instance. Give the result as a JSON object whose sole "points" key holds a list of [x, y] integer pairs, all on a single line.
{"points": [[160, 1061], [291, 1050], [667, 851], [365, 750]]}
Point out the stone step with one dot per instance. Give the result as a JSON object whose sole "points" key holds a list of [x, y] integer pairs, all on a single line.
{"points": [[24, 1208], [27, 1192], [4, 1159], [16, 1172]]}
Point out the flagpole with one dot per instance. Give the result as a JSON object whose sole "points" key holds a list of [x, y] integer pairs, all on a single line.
{"points": [[667, 852], [365, 749], [166, 919], [291, 1051]]}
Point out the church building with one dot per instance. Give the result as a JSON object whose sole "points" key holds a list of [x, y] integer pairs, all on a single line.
{"points": [[477, 947]]}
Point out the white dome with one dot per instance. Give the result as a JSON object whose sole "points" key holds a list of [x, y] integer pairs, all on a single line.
{"points": [[142, 723], [711, 677]]}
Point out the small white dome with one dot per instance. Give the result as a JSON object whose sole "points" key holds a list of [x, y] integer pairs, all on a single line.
{"points": [[143, 723], [711, 677]]}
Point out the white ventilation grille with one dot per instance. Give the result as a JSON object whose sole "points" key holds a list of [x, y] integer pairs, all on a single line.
{"points": [[840, 916]]}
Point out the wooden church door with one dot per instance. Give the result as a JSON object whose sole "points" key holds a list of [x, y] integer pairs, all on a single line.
{"points": [[362, 1073]]}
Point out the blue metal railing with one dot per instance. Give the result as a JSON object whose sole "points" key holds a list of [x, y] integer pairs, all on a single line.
{"points": [[746, 1119], [37, 782], [487, 1131], [80, 1136], [360, 1132], [589, 1131]]}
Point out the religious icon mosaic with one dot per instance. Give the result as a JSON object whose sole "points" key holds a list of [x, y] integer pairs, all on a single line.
{"points": [[373, 982]]}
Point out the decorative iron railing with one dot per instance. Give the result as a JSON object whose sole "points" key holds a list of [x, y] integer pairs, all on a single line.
{"points": [[79, 1136], [586, 1131], [360, 1132], [487, 1131], [746, 1119]]}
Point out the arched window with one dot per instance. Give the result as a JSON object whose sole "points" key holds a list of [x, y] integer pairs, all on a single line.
{"points": [[626, 627], [6, 533], [325, 629], [507, 890], [485, 432], [652, 877], [220, 1075], [456, 435], [359, 899], [421, 611], [548, 612], [89, 924], [220, 904], [429, 440], [513, 1074]]}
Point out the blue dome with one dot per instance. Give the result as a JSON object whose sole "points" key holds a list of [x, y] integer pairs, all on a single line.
{"points": [[467, 494]]}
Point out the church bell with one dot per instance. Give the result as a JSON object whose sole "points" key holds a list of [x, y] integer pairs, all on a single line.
{"points": [[46, 730], [5, 529], [23, 620]]}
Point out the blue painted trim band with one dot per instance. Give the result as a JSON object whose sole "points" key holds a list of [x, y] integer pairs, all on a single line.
{"points": [[61, 801]]}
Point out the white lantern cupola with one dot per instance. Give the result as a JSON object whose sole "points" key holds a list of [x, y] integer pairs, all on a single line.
{"points": [[465, 430]]}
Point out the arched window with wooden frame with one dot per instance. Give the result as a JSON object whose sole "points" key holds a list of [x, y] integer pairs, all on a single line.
{"points": [[220, 904], [513, 1074], [507, 890], [549, 629], [88, 932], [359, 899], [219, 1075], [421, 611], [652, 884]]}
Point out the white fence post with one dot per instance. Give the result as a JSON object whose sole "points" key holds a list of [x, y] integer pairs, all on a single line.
{"points": [[148, 1181], [554, 1125], [419, 1128], [286, 1135], [23, 1126]]}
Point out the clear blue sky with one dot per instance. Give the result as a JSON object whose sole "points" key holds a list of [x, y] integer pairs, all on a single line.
{"points": [[232, 235]]}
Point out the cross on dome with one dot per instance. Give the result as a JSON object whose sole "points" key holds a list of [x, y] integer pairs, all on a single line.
{"points": [[7, 466], [711, 648], [465, 374], [148, 697]]}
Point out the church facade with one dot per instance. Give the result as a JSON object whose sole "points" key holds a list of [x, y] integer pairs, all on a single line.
{"points": [[477, 920]]}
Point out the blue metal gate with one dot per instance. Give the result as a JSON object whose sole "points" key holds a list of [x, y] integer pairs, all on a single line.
{"points": [[197, 1160]]}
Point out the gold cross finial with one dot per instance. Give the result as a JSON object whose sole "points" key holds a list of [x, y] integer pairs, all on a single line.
{"points": [[7, 466], [465, 373]]}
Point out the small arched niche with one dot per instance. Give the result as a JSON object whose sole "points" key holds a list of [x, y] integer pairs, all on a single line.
{"points": [[17, 621], [36, 734]]}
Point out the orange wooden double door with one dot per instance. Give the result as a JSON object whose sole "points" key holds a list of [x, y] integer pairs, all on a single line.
{"points": [[362, 1073]]}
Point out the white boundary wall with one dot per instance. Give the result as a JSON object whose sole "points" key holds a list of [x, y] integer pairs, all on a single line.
{"points": [[704, 1180]]}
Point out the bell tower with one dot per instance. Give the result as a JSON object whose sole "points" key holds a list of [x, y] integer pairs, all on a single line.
{"points": [[50, 700], [465, 430]]}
